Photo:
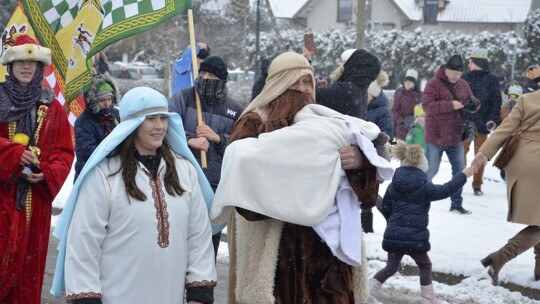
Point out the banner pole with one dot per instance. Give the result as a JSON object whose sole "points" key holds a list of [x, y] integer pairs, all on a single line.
{"points": [[195, 75]]}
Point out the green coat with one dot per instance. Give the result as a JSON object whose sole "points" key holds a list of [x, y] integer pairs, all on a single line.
{"points": [[416, 136]]}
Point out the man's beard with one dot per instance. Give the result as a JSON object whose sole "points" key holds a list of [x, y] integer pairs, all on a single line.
{"points": [[281, 111]]}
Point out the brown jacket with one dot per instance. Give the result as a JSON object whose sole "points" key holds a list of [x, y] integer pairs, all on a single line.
{"points": [[523, 169]]}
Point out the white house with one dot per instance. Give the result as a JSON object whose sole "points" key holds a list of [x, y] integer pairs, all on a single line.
{"points": [[460, 15]]}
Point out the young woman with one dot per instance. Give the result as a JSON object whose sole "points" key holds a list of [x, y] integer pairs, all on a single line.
{"points": [[143, 235]]}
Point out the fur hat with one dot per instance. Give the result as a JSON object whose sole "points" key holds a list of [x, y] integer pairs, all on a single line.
{"points": [[215, 65], [100, 84], [26, 48], [455, 63], [410, 155], [376, 86], [479, 57]]}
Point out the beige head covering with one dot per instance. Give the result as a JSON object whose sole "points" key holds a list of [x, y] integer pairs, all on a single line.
{"points": [[283, 72]]}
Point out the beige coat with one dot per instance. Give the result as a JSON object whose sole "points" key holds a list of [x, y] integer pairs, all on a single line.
{"points": [[523, 170]]}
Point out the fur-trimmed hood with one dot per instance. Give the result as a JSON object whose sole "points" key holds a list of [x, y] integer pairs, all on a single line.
{"points": [[90, 96]]}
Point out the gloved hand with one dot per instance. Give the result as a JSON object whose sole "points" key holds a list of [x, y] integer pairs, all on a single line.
{"points": [[367, 221]]}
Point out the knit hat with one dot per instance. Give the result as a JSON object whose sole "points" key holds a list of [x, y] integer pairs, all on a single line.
{"points": [[105, 89], [515, 90], [479, 57], [411, 75], [419, 111], [376, 86], [215, 65], [346, 54], [455, 63], [410, 155], [26, 48]]}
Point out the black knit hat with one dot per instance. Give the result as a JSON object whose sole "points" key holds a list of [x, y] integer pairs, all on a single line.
{"points": [[215, 65], [455, 63]]}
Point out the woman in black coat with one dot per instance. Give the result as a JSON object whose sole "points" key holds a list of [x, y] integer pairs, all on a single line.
{"points": [[348, 95]]}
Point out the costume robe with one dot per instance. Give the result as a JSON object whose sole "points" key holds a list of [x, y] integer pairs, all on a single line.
{"points": [[25, 233], [123, 250]]}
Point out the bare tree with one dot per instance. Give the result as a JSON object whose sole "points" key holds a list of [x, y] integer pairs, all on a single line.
{"points": [[361, 18]]}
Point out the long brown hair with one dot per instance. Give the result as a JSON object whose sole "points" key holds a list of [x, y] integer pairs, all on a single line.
{"points": [[282, 110], [129, 164]]}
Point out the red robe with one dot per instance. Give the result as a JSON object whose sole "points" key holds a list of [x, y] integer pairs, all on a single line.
{"points": [[24, 234]]}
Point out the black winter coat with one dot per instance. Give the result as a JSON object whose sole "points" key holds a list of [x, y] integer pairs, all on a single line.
{"points": [[89, 133], [349, 94], [406, 205], [486, 87], [221, 118]]}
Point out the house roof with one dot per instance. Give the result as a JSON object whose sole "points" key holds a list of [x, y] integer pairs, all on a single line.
{"points": [[477, 11], [287, 8]]}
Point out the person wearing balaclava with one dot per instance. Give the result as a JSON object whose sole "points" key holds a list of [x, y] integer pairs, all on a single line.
{"points": [[36, 154], [219, 114], [98, 119]]}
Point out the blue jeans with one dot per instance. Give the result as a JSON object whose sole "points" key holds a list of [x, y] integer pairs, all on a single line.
{"points": [[456, 156]]}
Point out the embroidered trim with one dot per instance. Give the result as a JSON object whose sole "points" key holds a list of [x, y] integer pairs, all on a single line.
{"points": [[84, 295], [204, 283], [162, 214]]}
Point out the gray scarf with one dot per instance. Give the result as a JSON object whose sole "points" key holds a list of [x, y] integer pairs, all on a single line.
{"points": [[18, 103]]}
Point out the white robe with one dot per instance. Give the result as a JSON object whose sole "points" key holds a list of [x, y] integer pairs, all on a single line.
{"points": [[113, 246]]}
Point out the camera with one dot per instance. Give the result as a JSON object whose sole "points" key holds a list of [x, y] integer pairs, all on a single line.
{"points": [[471, 105]]}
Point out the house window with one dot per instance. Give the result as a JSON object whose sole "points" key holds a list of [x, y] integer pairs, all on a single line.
{"points": [[344, 10], [431, 9]]}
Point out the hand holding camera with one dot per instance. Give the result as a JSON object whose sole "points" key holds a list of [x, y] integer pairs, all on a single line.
{"points": [[471, 105]]}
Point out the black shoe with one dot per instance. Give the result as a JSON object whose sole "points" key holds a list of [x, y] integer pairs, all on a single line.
{"points": [[478, 192], [486, 261], [460, 210]]}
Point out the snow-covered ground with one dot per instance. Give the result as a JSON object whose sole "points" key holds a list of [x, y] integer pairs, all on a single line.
{"points": [[458, 243]]}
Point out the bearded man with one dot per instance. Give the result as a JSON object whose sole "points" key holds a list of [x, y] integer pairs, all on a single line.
{"points": [[293, 183]]}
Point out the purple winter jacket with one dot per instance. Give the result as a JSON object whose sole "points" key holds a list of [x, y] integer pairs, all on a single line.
{"points": [[443, 123], [404, 102]]}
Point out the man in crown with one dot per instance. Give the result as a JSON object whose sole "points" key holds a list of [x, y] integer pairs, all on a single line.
{"points": [[36, 153]]}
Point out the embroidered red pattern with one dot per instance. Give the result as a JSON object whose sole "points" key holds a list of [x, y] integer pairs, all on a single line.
{"points": [[162, 214], [204, 283], [84, 295]]}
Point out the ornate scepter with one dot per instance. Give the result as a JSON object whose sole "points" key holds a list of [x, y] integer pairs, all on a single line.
{"points": [[23, 139]]}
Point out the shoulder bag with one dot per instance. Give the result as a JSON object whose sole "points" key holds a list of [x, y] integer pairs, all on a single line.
{"points": [[508, 148]]}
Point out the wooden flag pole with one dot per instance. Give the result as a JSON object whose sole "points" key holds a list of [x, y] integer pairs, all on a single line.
{"points": [[195, 75]]}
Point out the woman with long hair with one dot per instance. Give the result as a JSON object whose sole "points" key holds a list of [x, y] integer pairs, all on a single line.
{"points": [[136, 227]]}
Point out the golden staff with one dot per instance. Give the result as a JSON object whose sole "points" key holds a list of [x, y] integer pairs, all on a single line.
{"points": [[195, 75]]}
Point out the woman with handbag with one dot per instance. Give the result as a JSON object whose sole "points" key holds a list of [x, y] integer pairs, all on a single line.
{"points": [[522, 181]]}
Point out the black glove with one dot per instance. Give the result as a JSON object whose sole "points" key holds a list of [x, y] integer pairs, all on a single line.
{"points": [[367, 221], [87, 301]]}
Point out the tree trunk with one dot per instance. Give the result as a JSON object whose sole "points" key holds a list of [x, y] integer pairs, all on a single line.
{"points": [[361, 18]]}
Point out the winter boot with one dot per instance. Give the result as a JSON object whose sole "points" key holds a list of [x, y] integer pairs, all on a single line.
{"points": [[537, 264], [374, 286], [428, 295], [521, 242]]}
